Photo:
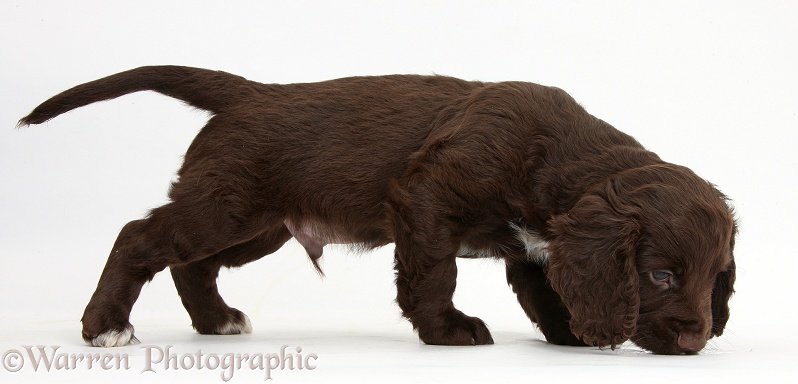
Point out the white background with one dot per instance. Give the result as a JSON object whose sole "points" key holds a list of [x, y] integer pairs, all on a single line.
{"points": [[709, 85]]}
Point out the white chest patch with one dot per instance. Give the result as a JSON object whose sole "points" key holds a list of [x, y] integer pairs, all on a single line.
{"points": [[535, 247]]}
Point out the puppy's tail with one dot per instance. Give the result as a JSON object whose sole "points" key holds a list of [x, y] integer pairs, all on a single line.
{"points": [[204, 89]]}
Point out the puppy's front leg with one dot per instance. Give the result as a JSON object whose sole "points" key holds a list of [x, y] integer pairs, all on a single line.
{"points": [[539, 301], [426, 275], [424, 292]]}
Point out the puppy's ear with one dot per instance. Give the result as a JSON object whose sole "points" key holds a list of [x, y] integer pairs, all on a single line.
{"points": [[592, 267], [722, 292]]}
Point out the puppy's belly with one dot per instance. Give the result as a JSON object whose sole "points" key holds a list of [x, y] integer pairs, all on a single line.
{"points": [[312, 237]]}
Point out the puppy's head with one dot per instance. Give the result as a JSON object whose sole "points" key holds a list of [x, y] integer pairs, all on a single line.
{"points": [[646, 256]]}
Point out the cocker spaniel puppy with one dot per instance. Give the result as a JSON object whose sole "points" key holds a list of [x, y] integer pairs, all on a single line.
{"points": [[603, 241]]}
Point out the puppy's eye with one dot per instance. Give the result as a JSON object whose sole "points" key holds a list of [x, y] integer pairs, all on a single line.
{"points": [[662, 278], [661, 275]]}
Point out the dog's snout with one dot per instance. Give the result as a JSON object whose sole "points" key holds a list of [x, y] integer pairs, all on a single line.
{"points": [[690, 342]]}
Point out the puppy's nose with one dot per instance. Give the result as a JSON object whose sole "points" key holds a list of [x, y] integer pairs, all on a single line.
{"points": [[691, 342]]}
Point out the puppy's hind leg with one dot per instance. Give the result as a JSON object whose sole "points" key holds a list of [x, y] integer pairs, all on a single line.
{"points": [[105, 320], [196, 284], [178, 233]]}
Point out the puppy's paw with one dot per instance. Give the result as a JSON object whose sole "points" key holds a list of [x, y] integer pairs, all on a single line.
{"points": [[564, 339], [558, 333], [455, 328], [112, 338], [237, 323]]}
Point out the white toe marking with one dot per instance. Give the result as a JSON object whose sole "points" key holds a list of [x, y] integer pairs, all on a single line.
{"points": [[115, 338], [234, 327]]}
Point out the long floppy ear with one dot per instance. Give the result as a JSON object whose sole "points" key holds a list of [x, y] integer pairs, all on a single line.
{"points": [[592, 267], [722, 292]]}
